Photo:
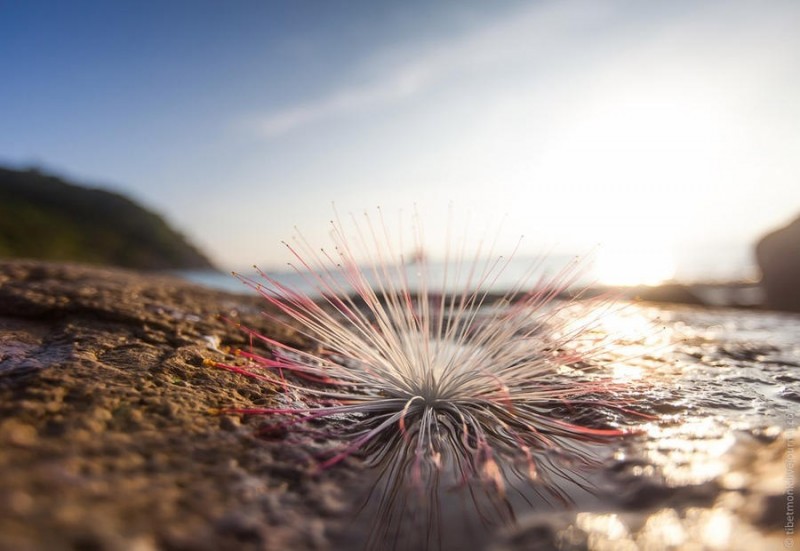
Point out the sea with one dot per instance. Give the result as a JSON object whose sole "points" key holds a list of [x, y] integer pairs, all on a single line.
{"points": [[708, 266]]}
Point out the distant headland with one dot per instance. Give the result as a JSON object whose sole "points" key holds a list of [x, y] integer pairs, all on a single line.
{"points": [[46, 217]]}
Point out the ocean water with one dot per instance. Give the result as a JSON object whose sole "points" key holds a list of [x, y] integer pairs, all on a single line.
{"points": [[713, 265]]}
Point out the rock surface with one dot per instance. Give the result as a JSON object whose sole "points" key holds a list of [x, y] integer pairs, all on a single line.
{"points": [[108, 439], [778, 255]]}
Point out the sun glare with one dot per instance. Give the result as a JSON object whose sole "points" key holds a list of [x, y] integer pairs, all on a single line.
{"points": [[634, 264]]}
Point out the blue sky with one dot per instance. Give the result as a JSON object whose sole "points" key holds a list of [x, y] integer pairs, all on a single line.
{"points": [[647, 127]]}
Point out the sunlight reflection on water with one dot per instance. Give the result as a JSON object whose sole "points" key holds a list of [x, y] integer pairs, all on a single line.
{"points": [[679, 361]]}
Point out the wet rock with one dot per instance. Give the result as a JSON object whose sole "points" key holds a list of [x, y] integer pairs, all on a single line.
{"points": [[110, 436], [778, 255]]}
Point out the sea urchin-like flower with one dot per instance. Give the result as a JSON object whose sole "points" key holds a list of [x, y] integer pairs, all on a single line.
{"points": [[426, 369]]}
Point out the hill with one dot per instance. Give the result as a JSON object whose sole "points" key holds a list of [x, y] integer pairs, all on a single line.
{"points": [[45, 217]]}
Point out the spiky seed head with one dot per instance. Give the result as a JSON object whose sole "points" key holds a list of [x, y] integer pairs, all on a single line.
{"points": [[429, 368]]}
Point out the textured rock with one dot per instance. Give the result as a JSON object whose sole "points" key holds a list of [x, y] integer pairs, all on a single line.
{"points": [[108, 440]]}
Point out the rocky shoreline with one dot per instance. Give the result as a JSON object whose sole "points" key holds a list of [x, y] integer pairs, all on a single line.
{"points": [[106, 441], [108, 437]]}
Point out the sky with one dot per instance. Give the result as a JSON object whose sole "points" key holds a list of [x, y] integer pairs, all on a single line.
{"points": [[656, 131]]}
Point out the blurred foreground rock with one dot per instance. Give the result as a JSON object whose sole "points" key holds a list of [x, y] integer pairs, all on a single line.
{"points": [[107, 441], [778, 255]]}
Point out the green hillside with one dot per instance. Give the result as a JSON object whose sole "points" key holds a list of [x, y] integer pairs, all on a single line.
{"points": [[43, 216]]}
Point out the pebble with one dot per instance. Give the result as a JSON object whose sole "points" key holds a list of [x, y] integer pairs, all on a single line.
{"points": [[17, 433]]}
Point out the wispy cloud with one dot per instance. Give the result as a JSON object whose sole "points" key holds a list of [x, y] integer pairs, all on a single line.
{"points": [[533, 43], [518, 35], [407, 81]]}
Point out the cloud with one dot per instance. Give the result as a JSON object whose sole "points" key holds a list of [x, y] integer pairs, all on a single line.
{"points": [[522, 35], [404, 83], [538, 41]]}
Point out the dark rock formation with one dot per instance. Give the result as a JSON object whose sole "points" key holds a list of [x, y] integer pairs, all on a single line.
{"points": [[48, 218], [778, 255]]}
